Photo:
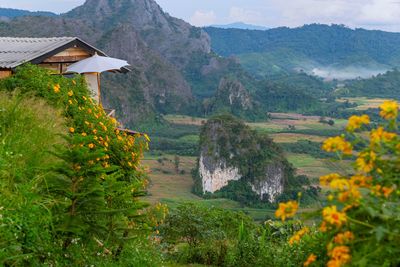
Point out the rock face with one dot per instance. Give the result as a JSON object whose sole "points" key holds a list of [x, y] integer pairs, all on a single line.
{"points": [[273, 186], [231, 151], [216, 175]]}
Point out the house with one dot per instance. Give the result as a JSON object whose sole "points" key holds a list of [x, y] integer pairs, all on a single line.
{"points": [[55, 54]]}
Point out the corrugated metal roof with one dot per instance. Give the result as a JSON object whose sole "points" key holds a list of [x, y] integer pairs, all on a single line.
{"points": [[16, 51]]}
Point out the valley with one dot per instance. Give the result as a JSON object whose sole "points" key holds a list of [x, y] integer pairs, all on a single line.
{"points": [[230, 145]]}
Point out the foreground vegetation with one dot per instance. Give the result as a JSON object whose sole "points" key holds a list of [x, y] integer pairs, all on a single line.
{"points": [[72, 188], [69, 181]]}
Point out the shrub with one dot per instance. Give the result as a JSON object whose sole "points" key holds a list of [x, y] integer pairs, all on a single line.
{"points": [[360, 220], [89, 203]]}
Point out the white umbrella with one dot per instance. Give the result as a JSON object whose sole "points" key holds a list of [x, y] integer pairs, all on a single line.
{"points": [[97, 64]]}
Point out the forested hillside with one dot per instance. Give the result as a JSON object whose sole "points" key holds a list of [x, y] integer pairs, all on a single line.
{"points": [[322, 43], [307, 47], [382, 85]]}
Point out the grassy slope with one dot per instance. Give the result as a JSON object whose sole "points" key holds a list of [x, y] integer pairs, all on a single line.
{"points": [[29, 129]]}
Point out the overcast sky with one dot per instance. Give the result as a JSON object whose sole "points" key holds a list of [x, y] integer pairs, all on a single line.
{"points": [[371, 14]]}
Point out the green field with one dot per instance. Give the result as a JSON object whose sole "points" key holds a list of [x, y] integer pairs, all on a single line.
{"points": [[364, 103]]}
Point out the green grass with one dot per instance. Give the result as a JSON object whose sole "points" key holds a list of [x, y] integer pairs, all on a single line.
{"points": [[314, 168], [29, 130]]}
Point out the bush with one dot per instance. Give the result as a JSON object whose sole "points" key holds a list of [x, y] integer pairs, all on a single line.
{"points": [[76, 202], [360, 220]]}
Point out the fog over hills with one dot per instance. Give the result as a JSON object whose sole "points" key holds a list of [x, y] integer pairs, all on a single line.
{"points": [[240, 25]]}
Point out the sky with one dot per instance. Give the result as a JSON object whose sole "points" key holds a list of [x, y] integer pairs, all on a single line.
{"points": [[370, 14]]}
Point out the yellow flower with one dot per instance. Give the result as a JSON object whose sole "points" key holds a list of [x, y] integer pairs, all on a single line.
{"points": [[334, 217], [298, 235], [341, 184], [334, 263], [327, 179], [387, 191], [360, 181], [91, 145], [70, 102], [84, 98], [70, 93], [353, 193], [84, 134], [312, 258], [389, 110], [380, 135], [366, 161], [56, 88], [340, 255], [337, 144], [355, 122], [323, 227], [287, 210], [343, 238], [71, 130]]}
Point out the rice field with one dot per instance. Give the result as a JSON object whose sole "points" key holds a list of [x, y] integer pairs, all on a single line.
{"points": [[314, 168], [295, 137], [279, 122], [364, 103]]}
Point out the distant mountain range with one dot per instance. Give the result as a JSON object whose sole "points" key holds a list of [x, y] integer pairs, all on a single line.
{"points": [[181, 69], [315, 48], [14, 13], [240, 25]]}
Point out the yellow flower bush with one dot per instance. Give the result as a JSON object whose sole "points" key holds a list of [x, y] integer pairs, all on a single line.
{"points": [[360, 223], [287, 210], [89, 190]]}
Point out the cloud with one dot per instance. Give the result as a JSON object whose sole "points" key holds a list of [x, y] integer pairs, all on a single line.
{"points": [[203, 18], [380, 12], [240, 14]]}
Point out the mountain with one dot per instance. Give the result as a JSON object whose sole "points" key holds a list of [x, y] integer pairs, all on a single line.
{"points": [[241, 164], [172, 61], [9, 13], [240, 25], [308, 47]]}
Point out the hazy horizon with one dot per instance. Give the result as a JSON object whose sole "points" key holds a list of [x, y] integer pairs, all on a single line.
{"points": [[368, 14]]}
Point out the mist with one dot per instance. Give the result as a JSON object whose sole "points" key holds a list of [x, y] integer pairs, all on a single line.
{"points": [[346, 73]]}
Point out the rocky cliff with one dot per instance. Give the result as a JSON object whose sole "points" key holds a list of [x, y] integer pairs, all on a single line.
{"points": [[232, 153]]}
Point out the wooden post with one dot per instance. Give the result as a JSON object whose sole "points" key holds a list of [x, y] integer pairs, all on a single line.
{"points": [[98, 84]]}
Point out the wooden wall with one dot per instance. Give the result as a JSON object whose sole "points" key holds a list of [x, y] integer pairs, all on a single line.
{"points": [[62, 60], [5, 73]]}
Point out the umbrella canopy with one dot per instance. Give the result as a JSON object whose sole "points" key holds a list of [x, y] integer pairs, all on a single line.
{"points": [[97, 64]]}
